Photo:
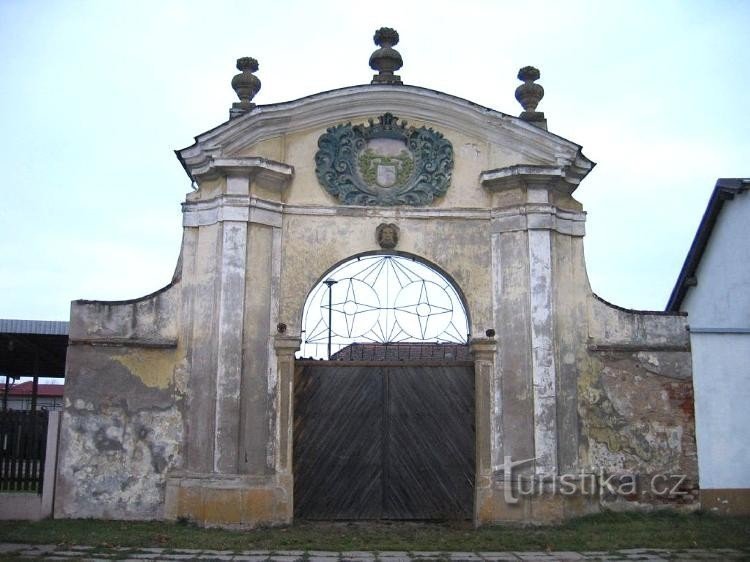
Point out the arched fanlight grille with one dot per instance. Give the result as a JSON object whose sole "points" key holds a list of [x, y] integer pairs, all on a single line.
{"points": [[381, 299]]}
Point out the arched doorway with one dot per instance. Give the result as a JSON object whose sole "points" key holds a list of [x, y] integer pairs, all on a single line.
{"points": [[384, 395]]}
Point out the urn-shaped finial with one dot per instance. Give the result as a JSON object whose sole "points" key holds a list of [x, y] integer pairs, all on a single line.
{"points": [[386, 60], [529, 94], [246, 84]]}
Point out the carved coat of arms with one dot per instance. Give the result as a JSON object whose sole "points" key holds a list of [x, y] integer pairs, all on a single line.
{"points": [[384, 163]]}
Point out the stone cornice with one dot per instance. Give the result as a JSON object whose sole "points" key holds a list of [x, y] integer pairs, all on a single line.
{"points": [[561, 178], [268, 172], [390, 213], [538, 217], [483, 348], [240, 208], [113, 341], [286, 345], [605, 347], [407, 102], [530, 216]]}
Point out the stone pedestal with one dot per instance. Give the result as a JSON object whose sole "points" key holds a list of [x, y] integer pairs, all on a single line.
{"points": [[229, 500]]}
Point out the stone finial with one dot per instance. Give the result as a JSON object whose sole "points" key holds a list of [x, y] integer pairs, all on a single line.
{"points": [[246, 84], [529, 95], [386, 60]]}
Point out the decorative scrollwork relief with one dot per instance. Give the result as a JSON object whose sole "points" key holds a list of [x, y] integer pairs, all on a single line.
{"points": [[384, 163]]}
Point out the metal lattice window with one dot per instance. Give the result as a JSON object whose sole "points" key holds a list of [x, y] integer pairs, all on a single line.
{"points": [[381, 299]]}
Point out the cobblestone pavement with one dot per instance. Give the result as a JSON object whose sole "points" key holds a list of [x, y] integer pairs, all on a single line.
{"points": [[54, 552]]}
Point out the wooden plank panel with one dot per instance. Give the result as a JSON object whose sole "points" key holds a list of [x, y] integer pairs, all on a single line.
{"points": [[338, 445], [430, 444], [393, 442]]}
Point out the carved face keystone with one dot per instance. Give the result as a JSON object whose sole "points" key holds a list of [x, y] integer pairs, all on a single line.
{"points": [[387, 235]]}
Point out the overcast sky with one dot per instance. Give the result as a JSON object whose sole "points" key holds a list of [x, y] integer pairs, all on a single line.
{"points": [[95, 96]]}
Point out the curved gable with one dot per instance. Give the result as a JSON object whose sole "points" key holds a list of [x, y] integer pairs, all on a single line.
{"points": [[484, 140]]}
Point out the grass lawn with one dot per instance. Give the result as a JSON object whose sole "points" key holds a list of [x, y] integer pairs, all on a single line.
{"points": [[607, 531]]}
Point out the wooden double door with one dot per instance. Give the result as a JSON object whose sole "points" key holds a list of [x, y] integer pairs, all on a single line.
{"points": [[384, 441]]}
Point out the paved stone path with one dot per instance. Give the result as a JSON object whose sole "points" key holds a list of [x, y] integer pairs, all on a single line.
{"points": [[54, 552]]}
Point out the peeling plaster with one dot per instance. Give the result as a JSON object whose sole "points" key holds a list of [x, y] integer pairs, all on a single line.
{"points": [[154, 368], [116, 462], [630, 421]]}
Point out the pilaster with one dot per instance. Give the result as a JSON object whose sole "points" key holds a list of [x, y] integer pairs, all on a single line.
{"points": [[483, 351], [239, 463], [219, 269], [229, 345], [524, 235], [543, 369], [286, 347]]}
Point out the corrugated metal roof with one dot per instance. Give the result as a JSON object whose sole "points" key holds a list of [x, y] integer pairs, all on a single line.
{"points": [[41, 327]]}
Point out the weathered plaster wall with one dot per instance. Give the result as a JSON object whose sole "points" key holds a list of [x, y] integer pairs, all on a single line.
{"points": [[122, 424], [472, 155], [621, 393], [460, 247], [636, 405]]}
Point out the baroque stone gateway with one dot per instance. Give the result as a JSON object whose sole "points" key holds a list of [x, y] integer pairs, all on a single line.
{"points": [[193, 402]]}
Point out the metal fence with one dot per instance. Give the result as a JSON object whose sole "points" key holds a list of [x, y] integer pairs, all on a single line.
{"points": [[23, 440]]}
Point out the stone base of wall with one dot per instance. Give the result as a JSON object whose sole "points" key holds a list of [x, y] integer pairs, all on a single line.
{"points": [[726, 501], [498, 505], [18, 505], [246, 502], [229, 501]]}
